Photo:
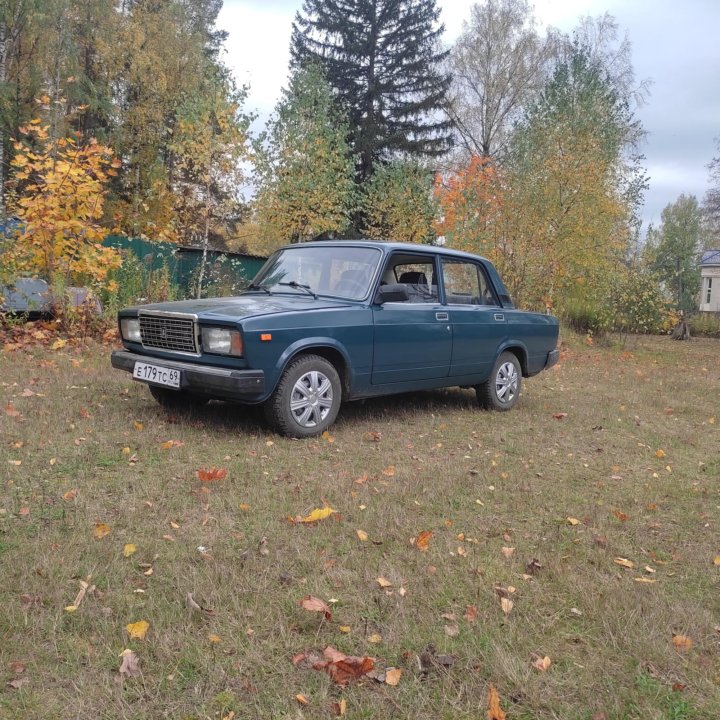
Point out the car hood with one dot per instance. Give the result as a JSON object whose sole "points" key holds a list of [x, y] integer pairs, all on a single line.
{"points": [[244, 306]]}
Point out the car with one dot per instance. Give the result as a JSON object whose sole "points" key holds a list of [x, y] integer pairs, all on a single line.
{"points": [[331, 321]]}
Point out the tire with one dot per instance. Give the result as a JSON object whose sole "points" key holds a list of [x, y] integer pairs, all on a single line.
{"points": [[502, 389], [176, 399], [307, 399]]}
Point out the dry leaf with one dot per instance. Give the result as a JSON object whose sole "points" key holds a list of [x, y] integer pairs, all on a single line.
{"points": [[129, 549], [383, 582], [302, 699], [422, 542], [389, 471], [716, 560], [471, 614], [130, 664], [624, 562], [70, 495], [506, 604], [339, 708], [392, 676], [314, 604], [137, 425], [452, 630], [214, 639], [573, 521], [507, 552], [659, 453], [168, 444], [138, 630], [362, 535], [375, 639], [211, 474], [682, 643], [560, 415], [494, 711], [100, 530], [542, 663]]}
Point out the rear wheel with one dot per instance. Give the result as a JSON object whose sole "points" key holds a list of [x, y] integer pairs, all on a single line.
{"points": [[307, 398], [502, 389], [176, 399]]}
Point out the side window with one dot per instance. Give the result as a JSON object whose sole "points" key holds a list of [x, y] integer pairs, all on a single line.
{"points": [[466, 284], [418, 276]]}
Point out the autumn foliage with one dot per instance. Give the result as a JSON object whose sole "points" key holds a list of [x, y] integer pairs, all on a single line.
{"points": [[61, 188]]}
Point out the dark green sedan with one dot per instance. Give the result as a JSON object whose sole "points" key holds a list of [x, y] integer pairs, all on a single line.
{"points": [[327, 322]]}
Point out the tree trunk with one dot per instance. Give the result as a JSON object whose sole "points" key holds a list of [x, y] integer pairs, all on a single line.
{"points": [[681, 331], [4, 45]]}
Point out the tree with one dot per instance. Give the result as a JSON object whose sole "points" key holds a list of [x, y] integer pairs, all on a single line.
{"points": [[398, 203], [382, 59], [499, 64], [673, 250], [64, 186], [210, 143], [305, 170], [711, 204]]}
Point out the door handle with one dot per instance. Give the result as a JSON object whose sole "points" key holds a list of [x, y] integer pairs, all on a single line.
{"points": [[499, 317], [442, 316]]}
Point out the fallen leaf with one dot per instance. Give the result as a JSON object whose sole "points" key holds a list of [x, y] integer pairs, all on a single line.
{"points": [[659, 453], [302, 699], [533, 567], [507, 552], [624, 562], [328, 437], [59, 344], [471, 614], [138, 630], [70, 495], [506, 604], [129, 549], [375, 639], [214, 639], [682, 643], [362, 535], [211, 474], [314, 604], [389, 471], [542, 663], [422, 542], [17, 683], [244, 507], [12, 411], [168, 444], [343, 669], [392, 676], [573, 521], [316, 515], [560, 415], [621, 516], [645, 580], [100, 530], [339, 708], [494, 711], [383, 582], [716, 560], [130, 664], [138, 425], [452, 630]]}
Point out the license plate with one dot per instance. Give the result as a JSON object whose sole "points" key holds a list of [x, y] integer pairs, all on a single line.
{"points": [[156, 374]]}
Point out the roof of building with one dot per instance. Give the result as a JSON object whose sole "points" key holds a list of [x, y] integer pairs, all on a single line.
{"points": [[710, 257]]}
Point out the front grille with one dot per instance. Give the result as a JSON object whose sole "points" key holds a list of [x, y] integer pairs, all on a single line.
{"points": [[164, 332]]}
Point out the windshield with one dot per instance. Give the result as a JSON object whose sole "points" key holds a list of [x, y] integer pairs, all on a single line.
{"points": [[344, 272]]}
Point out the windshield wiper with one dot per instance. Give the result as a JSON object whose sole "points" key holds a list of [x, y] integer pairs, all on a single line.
{"points": [[254, 286], [299, 286]]}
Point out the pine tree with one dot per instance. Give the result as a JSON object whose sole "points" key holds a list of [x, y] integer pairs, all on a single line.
{"points": [[382, 58]]}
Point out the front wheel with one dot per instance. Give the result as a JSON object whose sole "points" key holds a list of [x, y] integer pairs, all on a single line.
{"points": [[307, 398], [502, 389]]}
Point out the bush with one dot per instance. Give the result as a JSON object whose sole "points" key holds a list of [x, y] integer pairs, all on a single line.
{"points": [[705, 325], [134, 283]]}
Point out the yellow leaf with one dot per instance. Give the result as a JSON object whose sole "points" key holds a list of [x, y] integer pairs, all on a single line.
{"points": [[660, 453], [392, 676], [389, 471], [316, 515], [138, 425], [214, 639], [59, 344], [422, 542], [100, 530], [362, 535], [383, 582], [507, 552], [70, 495], [244, 507], [716, 561], [138, 630], [375, 638], [624, 562], [506, 604], [344, 628], [129, 549], [644, 580], [573, 521], [542, 664], [302, 699], [70, 608]]}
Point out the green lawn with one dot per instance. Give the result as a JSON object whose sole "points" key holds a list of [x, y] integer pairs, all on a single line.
{"points": [[611, 459]]}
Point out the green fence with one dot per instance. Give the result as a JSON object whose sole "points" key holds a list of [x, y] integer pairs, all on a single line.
{"points": [[225, 272]]}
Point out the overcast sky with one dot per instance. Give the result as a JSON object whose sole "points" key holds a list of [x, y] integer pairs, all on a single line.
{"points": [[675, 45]]}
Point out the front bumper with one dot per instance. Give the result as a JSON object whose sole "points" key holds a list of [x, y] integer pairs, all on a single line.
{"points": [[208, 380]]}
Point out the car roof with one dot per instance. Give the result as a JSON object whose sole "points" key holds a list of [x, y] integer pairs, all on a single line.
{"points": [[388, 247]]}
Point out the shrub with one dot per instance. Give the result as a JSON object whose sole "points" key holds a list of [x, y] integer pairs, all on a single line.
{"points": [[705, 325]]}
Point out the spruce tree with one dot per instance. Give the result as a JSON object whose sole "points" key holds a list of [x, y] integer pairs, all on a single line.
{"points": [[383, 60]]}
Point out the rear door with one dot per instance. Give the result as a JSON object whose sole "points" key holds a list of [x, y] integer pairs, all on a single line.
{"points": [[478, 321]]}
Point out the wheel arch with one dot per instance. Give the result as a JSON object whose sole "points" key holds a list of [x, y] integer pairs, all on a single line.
{"points": [[327, 349], [520, 351]]}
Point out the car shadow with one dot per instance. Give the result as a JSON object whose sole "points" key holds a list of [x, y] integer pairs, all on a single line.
{"points": [[250, 419]]}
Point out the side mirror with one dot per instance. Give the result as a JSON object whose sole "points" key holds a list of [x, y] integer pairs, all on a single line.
{"points": [[391, 293]]}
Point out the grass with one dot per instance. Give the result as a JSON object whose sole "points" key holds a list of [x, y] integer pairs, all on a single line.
{"points": [[392, 467]]}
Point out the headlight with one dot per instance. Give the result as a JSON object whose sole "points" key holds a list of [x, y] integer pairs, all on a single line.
{"points": [[221, 341], [130, 329]]}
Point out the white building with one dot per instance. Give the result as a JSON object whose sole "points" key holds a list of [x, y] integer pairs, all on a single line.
{"points": [[710, 287]]}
